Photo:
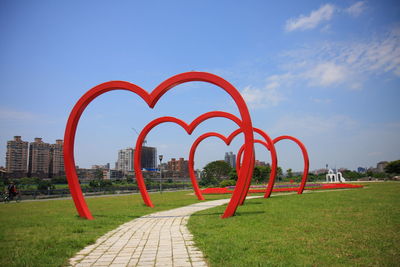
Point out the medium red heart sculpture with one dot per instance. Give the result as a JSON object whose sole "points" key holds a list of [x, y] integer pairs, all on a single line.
{"points": [[189, 128], [227, 141], [305, 158], [151, 100], [272, 175]]}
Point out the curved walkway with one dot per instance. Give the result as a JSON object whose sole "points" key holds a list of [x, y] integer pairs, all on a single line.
{"points": [[157, 239]]}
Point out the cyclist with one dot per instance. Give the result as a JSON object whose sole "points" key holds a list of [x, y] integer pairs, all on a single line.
{"points": [[12, 191]]}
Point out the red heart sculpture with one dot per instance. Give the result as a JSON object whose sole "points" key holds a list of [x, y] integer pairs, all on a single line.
{"points": [[189, 129], [151, 100], [227, 142], [305, 158]]}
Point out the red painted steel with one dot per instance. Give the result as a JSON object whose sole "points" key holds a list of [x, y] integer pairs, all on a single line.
{"points": [[305, 158], [274, 163], [273, 173], [228, 140], [151, 99], [189, 128]]}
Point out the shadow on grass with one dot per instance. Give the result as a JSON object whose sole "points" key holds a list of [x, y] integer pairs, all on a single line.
{"points": [[114, 216], [220, 213], [252, 203]]}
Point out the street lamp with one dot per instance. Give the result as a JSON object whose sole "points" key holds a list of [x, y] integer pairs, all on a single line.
{"points": [[160, 157]]}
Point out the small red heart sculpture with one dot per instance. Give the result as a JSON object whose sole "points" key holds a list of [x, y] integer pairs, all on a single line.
{"points": [[151, 100], [227, 141], [189, 128], [305, 158]]}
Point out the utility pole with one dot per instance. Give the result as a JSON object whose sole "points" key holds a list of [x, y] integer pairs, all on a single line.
{"points": [[160, 157]]}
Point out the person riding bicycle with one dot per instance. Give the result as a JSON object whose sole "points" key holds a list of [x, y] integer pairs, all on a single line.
{"points": [[12, 190]]}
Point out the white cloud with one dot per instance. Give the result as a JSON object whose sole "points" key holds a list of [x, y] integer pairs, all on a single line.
{"points": [[324, 13], [356, 9], [346, 63], [326, 74], [268, 96]]}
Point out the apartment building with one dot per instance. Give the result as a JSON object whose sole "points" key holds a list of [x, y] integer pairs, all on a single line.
{"points": [[178, 168], [125, 160], [57, 158], [39, 158], [17, 157]]}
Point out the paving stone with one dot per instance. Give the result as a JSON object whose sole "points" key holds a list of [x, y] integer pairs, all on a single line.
{"points": [[160, 239]]}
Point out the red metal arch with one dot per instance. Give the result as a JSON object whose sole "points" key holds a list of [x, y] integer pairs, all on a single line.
{"points": [[193, 151], [228, 140], [274, 162], [189, 128], [305, 158], [273, 174], [151, 100]]}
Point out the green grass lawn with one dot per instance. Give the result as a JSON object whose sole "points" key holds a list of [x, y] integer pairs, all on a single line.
{"points": [[48, 233], [357, 227]]}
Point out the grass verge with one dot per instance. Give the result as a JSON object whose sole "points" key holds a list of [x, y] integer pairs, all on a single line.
{"points": [[357, 227], [48, 233]]}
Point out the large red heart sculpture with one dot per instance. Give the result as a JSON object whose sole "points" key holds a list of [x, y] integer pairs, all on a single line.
{"points": [[151, 100], [227, 141], [305, 158], [189, 128]]}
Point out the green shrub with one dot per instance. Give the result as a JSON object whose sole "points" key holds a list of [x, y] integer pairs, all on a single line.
{"points": [[226, 183]]}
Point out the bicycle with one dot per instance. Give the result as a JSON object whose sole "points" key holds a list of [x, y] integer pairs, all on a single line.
{"points": [[6, 198]]}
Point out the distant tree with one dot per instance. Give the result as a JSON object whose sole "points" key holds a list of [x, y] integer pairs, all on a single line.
{"points": [[105, 183], [98, 174], [233, 174], [27, 181], [393, 167], [264, 173], [261, 173], [279, 173], [94, 183], [45, 185], [225, 183], [215, 172], [312, 177], [289, 173], [352, 175], [59, 180], [379, 175], [256, 174]]}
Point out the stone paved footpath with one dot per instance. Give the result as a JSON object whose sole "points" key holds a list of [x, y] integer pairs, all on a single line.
{"points": [[158, 239]]}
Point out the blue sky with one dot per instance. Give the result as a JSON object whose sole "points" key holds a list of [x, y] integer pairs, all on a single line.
{"points": [[326, 72]]}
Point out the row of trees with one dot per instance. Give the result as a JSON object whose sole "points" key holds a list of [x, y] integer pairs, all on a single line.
{"points": [[216, 173], [36, 182], [220, 173], [41, 184]]}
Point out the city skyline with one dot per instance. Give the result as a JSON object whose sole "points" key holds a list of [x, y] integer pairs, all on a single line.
{"points": [[326, 72], [125, 159]]}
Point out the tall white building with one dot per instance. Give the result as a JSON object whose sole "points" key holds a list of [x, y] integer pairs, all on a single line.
{"points": [[125, 160]]}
